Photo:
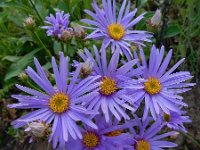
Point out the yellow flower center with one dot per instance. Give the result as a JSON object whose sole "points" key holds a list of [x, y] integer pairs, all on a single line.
{"points": [[114, 133], [108, 86], [166, 117], [142, 145], [116, 31], [90, 140], [152, 86], [59, 102]]}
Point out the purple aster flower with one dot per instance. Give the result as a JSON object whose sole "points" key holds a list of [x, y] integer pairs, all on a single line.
{"points": [[57, 105], [109, 135], [175, 120], [111, 97], [57, 24], [116, 31], [147, 137], [158, 86]]}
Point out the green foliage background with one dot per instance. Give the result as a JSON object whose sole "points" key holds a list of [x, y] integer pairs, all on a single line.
{"points": [[179, 30]]}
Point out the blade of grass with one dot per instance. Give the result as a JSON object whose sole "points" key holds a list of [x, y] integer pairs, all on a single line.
{"points": [[192, 139], [36, 11]]}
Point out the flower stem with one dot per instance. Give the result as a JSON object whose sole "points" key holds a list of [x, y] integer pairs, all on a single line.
{"points": [[67, 48], [47, 51], [32, 85]]}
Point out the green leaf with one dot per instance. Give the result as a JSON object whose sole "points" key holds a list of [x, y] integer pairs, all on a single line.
{"points": [[172, 30], [17, 67], [16, 5], [141, 3], [47, 66], [185, 147], [87, 4], [57, 47], [11, 58]]}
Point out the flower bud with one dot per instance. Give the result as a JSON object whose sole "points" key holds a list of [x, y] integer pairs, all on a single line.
{"points": [[87, 68], [66, 35], [79, 31], [38, 129], [23, 76], [175, 135], [29, 23], [134, 47], [156, 19]]}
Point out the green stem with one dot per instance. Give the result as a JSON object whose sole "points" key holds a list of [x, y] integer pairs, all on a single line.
{"points": [[33, 87], [36, 11], [47, 51], [66, 46], [62, 46]]}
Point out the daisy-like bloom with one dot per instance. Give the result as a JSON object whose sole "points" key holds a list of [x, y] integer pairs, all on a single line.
{"points": [[158, 86], [175, 120], [147, 138], [111, 97], [59, 105], [110, 135], [116, 30], [57, 24]]}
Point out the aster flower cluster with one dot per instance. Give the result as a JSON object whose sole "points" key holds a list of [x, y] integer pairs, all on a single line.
{"points": [[94, 107], [58, 27]]}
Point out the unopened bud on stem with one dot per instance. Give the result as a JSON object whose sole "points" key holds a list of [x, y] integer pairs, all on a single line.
{"points": [[156, 19], [38, 129], [23, 76], [79, 31], [66, 35], [29, 22], [87, 68]]}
